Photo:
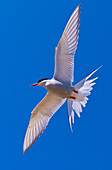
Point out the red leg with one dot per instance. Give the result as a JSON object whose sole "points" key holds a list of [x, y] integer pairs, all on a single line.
{"points": [[75, 91], [72, 97]]}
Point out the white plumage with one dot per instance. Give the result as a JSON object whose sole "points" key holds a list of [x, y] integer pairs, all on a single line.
{"points": [[64, 54], [40, 118], [60, 86]]}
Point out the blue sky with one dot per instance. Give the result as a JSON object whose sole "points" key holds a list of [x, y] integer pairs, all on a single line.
{"points": [[29, 33]]}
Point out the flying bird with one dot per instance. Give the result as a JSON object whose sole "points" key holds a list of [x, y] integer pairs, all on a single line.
{"points": [[60, 87]]}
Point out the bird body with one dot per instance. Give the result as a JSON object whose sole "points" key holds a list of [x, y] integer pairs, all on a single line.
{"points": [[60, 87]]}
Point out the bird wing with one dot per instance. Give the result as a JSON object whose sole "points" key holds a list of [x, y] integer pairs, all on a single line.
{"points": [[40, 117], [64, 53]]}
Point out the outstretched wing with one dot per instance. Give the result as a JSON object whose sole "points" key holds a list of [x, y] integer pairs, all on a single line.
{"points": [[64, 53], [40, 117]]}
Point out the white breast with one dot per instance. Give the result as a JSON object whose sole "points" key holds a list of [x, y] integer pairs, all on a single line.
{"points": [[58, 88]]}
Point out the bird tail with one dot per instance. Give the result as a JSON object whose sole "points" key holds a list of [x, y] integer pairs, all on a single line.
{"points": [[79, 96]]}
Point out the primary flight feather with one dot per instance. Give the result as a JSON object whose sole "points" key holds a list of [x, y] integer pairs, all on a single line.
{"points": [[60, 86]]}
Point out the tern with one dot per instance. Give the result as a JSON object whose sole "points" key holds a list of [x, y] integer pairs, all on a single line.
{"points": [[60, 87]]}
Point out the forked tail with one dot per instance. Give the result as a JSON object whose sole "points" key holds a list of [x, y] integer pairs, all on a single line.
{"points": [[82, 89]]}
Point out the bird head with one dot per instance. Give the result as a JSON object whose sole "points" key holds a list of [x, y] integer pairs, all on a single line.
{"points": [[41, 82]]}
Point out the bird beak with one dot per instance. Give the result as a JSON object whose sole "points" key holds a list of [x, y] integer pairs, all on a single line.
{"points": [[34, 84]]}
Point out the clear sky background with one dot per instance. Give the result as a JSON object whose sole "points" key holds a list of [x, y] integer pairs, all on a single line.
{"points": [[29, 33]]}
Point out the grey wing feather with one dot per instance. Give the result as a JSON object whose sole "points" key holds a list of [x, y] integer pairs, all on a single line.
{"points": [[40, 117], [64, 53]]}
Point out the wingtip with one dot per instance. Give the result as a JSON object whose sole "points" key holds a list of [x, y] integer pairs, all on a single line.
{"points": [[79, 5], [24, 151], [33, 141]]}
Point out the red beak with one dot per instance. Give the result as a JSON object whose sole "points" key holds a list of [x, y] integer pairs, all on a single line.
{"points": [[34, 84]]}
